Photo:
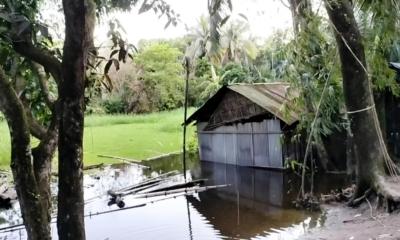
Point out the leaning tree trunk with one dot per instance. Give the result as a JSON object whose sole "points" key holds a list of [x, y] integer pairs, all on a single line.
{"points": [[369, 146], [79, 20], [34, 213]]}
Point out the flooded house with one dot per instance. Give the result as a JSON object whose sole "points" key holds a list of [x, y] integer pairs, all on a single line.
{"points": [[248, 125]]}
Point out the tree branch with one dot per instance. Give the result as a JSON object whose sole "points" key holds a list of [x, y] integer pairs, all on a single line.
{"points": [[37, 130], [43, 84], [41, 56], [285, 4]]}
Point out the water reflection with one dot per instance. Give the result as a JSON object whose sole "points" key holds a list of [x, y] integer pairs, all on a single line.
{"points": [[256, 205], [257, 200]]}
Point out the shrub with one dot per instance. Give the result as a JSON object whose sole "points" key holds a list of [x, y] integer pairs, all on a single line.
{"points": [[114, 105]]}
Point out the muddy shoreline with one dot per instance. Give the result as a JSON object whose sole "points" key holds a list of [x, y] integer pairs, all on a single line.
{"points": [[365, 222]]}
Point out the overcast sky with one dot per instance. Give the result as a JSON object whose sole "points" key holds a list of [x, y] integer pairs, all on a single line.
{"points": [[264, 16]]}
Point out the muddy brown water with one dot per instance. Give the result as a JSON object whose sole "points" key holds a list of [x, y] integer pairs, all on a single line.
{"points": [[256, 205]]}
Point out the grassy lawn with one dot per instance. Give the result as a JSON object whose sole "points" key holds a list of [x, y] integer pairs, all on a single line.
{"points": [[4, 145], [131, 136]]}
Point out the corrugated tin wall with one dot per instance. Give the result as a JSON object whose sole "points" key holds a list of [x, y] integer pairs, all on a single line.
{"points": [[250, 144]]}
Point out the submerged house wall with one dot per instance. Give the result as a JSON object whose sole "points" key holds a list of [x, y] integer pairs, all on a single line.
{"points": [[256, 144]]}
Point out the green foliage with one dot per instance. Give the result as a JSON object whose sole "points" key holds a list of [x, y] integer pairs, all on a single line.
{"points": [[234, 73], [379, 27], [312, 64], [293, 165], [162, 75], [272, 59], [114, 106], [193, 144], [179, 43], [237, 46], [199, 82]]}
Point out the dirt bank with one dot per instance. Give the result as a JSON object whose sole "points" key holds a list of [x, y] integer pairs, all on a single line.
{"points": [[361, 223]]}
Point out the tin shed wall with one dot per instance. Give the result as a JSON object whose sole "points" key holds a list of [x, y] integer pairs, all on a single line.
{"points": [[254, 144]]}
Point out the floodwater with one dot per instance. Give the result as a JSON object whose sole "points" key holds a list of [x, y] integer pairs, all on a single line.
{"points": [[256, 205]]}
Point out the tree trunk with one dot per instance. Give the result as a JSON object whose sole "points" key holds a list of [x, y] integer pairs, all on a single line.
{"points": [[42, 156], [79, 20], [34, 213], [300, 9], [369, 148]]}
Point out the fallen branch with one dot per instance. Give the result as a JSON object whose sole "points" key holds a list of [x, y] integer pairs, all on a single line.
{"points": [[93, 166], [85, 168], [164, 156], [356, 202], [6, 172], [125, 160]]}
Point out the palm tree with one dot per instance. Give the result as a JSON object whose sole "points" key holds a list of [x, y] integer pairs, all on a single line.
{"points": [[202, 44], [199, 37], [237, 45]]}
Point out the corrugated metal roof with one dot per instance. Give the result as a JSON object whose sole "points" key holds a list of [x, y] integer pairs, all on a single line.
{"points": [[273, 97]]}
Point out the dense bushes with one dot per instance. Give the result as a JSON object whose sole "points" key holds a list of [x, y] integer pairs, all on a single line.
{"points": [[152, 81]]}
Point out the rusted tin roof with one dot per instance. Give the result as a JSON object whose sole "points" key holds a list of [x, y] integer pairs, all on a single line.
{"points": [[275, 98]]}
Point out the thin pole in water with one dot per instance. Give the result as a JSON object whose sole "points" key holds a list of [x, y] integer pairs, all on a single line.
{"points": [[187, 66]]}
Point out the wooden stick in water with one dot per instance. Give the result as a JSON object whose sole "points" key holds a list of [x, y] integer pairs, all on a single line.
{"points": [[126, 160], [186, 190]]}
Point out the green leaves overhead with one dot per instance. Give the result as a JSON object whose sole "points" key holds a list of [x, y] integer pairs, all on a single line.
{"points": [[219, 11], [159, 7], [379, 23]]}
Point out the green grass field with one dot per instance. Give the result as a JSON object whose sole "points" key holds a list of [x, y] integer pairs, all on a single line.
{"points": [[131, 136]]}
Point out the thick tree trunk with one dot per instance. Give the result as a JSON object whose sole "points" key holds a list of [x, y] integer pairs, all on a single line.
{"points": [[369, 147], [79, 19], [34, 213]]}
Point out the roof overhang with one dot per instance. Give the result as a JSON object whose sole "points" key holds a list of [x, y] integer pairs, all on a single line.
{"points": [[275, 98]]}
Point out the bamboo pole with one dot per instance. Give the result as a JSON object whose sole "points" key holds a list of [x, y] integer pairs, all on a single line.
{"points": [[187, 65], [179, 185], [148, 181], [186, 190]]}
